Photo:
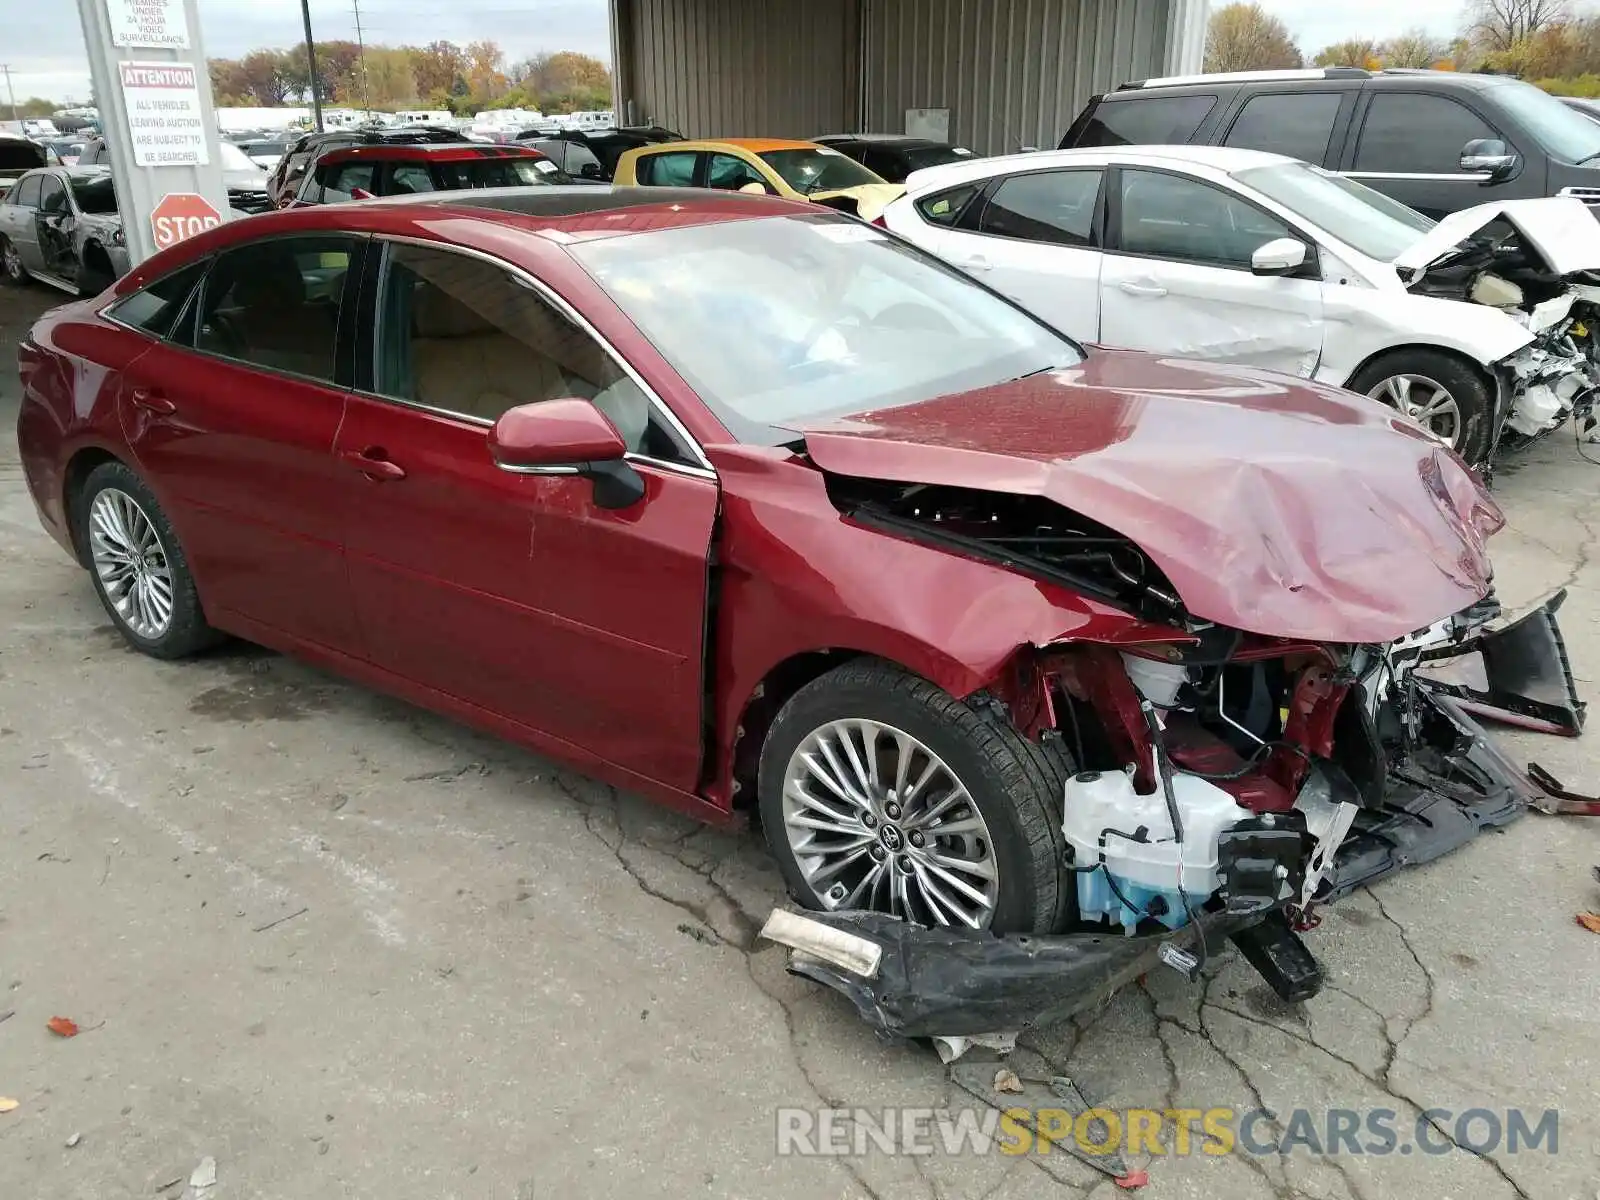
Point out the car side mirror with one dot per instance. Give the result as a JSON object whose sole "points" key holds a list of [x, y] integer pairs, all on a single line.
{"points": [[755, 188], [1489, 155], [567, 437], [1281, 256], [590, 171]]}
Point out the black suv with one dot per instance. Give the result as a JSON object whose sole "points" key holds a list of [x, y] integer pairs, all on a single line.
{"points": [[593, 154], [1436, 140]]}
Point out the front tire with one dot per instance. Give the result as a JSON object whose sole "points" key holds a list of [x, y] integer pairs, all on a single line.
{"points": [[879, 790], [1442, 393], [138, 566], [11, 263]]}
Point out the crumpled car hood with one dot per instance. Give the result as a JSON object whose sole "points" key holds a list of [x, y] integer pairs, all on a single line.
{"points": [[1273, 506], [871, 198], [1560, 228]]}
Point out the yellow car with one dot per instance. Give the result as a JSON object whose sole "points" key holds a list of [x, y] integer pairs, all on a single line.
{"points": [[796, 170]]}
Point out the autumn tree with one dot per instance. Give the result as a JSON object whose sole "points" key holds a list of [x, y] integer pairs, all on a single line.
{"points": [[1245, 37], [436, 67], [1498, 25], [390, 78], [486, 79], [1352, 52]]}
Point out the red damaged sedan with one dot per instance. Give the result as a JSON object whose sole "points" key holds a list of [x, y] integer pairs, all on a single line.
{"points": [[1011, 644]]}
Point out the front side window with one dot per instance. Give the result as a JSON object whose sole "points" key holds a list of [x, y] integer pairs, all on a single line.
{"points": [[52, 195], [668, 170], [464, 337], [1146, 121], [783, 320], [155, 307], [340, 181], [818, 169], [1413, 133], [1172, 216], [275, 304], [1297, 124], [728, 173], [95, 196], [1044, 206]]}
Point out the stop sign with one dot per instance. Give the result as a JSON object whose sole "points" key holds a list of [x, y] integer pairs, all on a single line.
{"points": [[180, 215]]}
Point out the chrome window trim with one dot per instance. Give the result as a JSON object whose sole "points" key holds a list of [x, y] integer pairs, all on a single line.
{"points": [[700, 469], [1445, 177]]}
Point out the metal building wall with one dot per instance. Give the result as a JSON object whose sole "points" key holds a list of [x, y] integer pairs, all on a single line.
{"points": [[727, 68], [1013, 73]]}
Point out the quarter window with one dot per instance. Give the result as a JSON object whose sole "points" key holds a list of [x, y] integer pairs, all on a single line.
{"points": [[1413, 133], [1296, 124], [1044, 206], [155, 308], [276, 304], [1170, 216], [1146, 121], [464, 337], [945, 208], [668, 170]]}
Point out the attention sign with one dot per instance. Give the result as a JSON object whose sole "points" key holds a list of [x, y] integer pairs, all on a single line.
{"points": [[163, 102], [158, 23]]}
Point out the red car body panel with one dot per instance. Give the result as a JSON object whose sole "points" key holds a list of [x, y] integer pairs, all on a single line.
{"points": [[1281, 508], [634, 642]]}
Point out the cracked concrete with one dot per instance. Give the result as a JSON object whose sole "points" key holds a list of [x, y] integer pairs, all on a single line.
{"points": [[509, 980]]}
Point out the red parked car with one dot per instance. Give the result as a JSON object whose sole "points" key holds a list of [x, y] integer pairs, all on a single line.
{"points": [[365, 172], [746, 505]]}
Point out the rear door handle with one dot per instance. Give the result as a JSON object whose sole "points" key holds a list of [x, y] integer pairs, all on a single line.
{"points": [[1142, 289], [153, 401], [371, 463]]}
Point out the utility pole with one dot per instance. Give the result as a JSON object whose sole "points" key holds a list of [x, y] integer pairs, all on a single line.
{"points": [[11, 91], [361, 58], [311, 65]]}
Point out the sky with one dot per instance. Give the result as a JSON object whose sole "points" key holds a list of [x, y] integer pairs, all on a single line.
{"points": [[53, 63]]}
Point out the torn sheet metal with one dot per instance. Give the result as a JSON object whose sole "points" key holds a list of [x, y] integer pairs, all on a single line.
{"points": [[1560, 228], [1558, 801], [1220, 477]]}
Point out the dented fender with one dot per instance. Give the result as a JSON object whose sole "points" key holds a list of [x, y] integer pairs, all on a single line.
{"points": [[1365, 322]]}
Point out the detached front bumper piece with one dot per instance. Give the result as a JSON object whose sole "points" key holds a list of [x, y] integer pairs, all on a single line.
{"points": [[961, 983]]}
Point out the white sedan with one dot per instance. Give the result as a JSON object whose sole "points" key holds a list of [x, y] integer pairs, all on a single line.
{"points": [[1474, 327]]}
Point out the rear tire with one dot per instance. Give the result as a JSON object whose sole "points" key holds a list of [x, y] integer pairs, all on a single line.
{"points": [[138, 565], [1453, 399], [1008, 823]]}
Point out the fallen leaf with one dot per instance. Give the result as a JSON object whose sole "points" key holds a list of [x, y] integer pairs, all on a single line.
{"points": [[7, 1104], [1590, 921], [74, 1140], [204, 1175], [62, 1026], [1005, 1080], [1133, 1179]]}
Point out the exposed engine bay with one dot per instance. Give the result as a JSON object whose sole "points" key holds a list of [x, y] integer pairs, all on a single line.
{"points": [[1556, 376], [1227, 783]]}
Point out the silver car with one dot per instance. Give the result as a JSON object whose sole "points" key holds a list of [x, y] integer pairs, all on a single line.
{"points": [[60, 225]]}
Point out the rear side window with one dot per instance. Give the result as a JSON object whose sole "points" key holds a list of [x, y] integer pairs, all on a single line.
{"points": [[945, 208], [667, 170], [1146, 121], [26, 193], [1297, 124], [1417, 134], [1044, 206], [155, 308]]}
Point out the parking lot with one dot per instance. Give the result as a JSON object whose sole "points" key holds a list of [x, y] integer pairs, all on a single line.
{"points": [[346, 948]]}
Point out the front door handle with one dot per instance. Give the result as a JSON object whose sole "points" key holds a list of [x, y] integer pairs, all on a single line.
{"points": [[1142, 289], [371, 463], [152, 401], [976, 263]]}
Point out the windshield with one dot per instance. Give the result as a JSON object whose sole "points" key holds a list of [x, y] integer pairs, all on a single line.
{"points": [[818, 170], [784, 320], [1359, 217], [498, 172], [1562, 132], [97, 196], [235, 159]]}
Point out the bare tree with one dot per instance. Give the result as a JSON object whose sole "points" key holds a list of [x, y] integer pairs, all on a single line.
{"points": [[1414, 48], [1245, 37], [1501, 24], [1352, 52]]}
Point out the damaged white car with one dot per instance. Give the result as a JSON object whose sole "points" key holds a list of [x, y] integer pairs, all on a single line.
{"points": [[1477, 327]]}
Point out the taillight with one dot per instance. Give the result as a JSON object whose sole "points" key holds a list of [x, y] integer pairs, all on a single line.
{"points": [[879, 222]]}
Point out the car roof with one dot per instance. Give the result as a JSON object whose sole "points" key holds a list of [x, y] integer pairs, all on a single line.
{"points": [[1225, 160], [1309, 77], [434, 151], [888, 139], [491, 220], [754, 145]]}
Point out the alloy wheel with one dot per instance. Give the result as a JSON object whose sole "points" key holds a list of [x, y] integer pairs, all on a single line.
{"points": [[877, 820], [1426, 401], [11, 260], [131, 563]]}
